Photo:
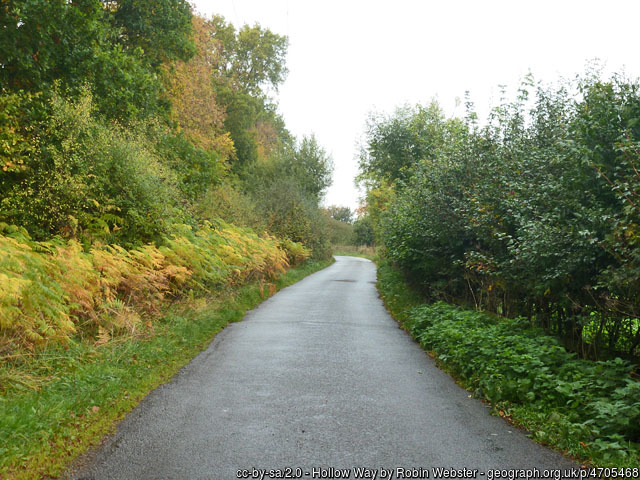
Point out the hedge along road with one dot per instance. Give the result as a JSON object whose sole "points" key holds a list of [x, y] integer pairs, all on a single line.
{"points": [[319, 377]]}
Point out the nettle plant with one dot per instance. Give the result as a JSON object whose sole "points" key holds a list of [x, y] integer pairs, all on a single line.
{"points": [[579, 404]]}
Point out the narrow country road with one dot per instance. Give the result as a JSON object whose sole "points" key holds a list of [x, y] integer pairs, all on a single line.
{"points": [[318, 376]]}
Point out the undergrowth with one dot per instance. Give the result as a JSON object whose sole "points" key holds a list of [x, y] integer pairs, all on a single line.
{"points": [[589, 410], [52, 290], [61, 400]]}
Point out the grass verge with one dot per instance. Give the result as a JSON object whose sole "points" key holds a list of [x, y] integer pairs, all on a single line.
{"points": [[588, 410], [84, 389]]}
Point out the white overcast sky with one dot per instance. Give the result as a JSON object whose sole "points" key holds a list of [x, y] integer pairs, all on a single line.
{"points": [[348, 58]]}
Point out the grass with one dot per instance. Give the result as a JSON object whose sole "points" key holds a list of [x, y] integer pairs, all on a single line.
{"points": [[58, 403], [399, 298], [588, 410], [356, 251]]}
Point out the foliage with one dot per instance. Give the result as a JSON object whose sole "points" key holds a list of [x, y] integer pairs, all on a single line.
{"points": [[18, 114], [399, 295], [534, 214], [396, 143], [296, 252], [507, 362], [120, 118], [47, 40], [161, 28], [90, 179], [340, 233], [340, 213], [287, 188], [88, 42], [32, 308], [251, 58], [288, 214], [363, 231], [247, 63], [305, 163], [58, 403], [193, 100], [585, 408], [311, 166], [52, 289], [197, 170], [127, 128], [232, 205], [378, 198]]}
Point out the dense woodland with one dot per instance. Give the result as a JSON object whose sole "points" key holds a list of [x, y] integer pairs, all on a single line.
{"points": [[533, 213], [139, 136]]}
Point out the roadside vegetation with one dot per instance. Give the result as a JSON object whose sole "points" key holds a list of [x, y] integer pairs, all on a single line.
{"points": [[60, 401], [144, 172], [587, 409], [527, 222], [350, 233]]}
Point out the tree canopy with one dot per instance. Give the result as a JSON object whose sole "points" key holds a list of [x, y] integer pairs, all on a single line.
{"points": [[121, 118]]}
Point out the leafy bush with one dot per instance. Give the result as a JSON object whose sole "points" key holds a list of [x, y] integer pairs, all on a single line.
{"points": [[231, 205], [92, 180], [511, 363], [363, 231], [296, 252], [340, 233], [198, 170], [289, 214], [534, 214], [286, 189], [18, 116]]}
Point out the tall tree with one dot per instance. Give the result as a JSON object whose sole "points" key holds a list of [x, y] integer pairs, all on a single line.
{"points": [[250, 63], [340, 213], [253, 58], [115, 47], [397, 143], [46, 40], [194, 102]]}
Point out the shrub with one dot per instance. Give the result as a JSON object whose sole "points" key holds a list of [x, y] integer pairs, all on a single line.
{"points": [[232, 206], [92, 180], [340, 233], [363, 232], [533, 214], [296, 252]]}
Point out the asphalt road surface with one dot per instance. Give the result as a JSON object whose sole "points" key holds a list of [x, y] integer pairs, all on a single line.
{"points": [[317, 378]]}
